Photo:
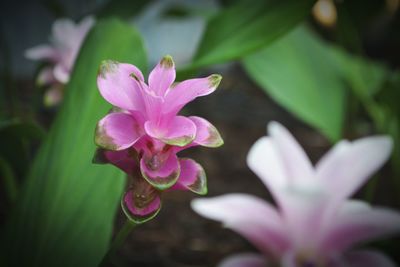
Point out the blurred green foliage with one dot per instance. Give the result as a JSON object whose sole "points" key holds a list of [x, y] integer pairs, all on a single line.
{"points": [[312, 78], [247, 26], [64, 214], [302, 73]]}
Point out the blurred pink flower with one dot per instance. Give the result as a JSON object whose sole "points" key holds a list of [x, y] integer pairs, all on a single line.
{"points": [[315, 224], [65, 42], [146, 117]]}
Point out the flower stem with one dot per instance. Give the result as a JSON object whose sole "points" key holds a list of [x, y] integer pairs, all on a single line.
{"points": [[117, 242]]}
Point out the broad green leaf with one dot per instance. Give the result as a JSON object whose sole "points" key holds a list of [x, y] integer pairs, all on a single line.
{"points": [[364, 76], [302, 73], [66, 210], [16, 142], [309, 77], [246, 27], [8, 181]]}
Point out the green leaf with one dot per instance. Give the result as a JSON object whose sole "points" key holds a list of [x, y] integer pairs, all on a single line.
{"points": [[246, 27], [66, 210], [362, 75], [122, 8], [8, 181], [16, 142], [303, 74]]}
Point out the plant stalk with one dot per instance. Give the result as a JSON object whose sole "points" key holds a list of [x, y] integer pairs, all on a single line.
{"points": [[117, 242]]}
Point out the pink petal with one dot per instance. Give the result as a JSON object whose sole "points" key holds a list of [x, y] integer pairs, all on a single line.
{"points": [[348, 165], [61, 73], [53, 95], [125, 159], [303, 211], [295, 162], [117, 131], [206, 133], [153, 105], [160, 173], [85, 25], [281, 163], [179, 131], [118, 84], [244, 260], [368, 258], [358, 222], [45, 77], [63, 30], [263, 159], [249, 216], [42, 52], [141, 202], [162, 76], [192, 177], [184, 92]]}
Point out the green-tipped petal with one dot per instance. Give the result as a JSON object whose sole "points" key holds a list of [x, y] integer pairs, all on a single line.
{"points": [[141, 202], [192, 177]]}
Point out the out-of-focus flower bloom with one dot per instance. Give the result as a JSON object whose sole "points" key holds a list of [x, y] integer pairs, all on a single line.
{"points": [[65, 42], [165, 32], [143, 133], [315, 223], [146, 117], [325, 13]]}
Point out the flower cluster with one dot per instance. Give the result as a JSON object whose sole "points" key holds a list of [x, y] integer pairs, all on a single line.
{"points": [[315, 223], [65, 42], [143, 133]]}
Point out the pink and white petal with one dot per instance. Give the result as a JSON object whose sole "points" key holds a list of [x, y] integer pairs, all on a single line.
{"points": [[61, 73], [63, 33], [141, 203], [348, 166], [53, 96], [192, 177], [244, 260], [356, 222], [368, 258], [296, 164], [162, 175], [119, 85], [117, 131], [42, 52], [162, 76], [179, 131], [45, 77], [251, 217], [186, 91], [303, 212], [263, 159], [206, 133], [85, 25]]}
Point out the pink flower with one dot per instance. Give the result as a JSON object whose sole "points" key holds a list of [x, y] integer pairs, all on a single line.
{"points": [[146, 117], [65, 42], [315, 224], [142, 201]]}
